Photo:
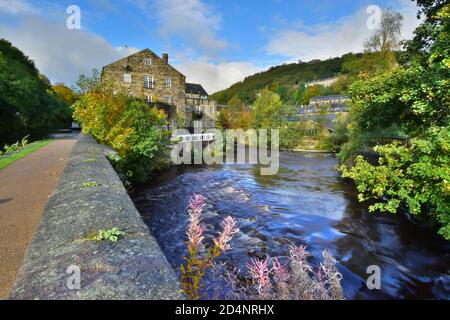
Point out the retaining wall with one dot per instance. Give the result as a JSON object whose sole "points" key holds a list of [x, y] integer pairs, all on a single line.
{"points": [[132, 268]]}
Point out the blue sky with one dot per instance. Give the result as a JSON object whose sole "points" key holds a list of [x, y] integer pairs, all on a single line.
{"points": [[215, 43]]}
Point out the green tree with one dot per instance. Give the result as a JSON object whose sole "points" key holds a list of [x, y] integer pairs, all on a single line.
{"points": [[28, 104], [268, 111], [416, 98]]}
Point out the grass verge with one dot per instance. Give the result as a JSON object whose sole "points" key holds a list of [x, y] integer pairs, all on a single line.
{"points": [[7, 159]]}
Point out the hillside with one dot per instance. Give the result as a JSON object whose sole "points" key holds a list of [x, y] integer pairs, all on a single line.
{"points": [[288, 77]]}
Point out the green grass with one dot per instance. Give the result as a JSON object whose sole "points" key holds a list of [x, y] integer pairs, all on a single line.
{"points": [[7, 159]]}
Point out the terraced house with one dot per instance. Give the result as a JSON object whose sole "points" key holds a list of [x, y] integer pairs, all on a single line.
{"points": [[145, 75]]}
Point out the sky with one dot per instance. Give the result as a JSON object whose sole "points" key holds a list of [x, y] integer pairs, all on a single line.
{"points": [[212, 42]]}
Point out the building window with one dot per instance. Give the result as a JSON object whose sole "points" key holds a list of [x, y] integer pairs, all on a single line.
{"points": [[127, 77], [168, 99], [167, 81], [148, 82], [211, 109], [148, 61], [149, 98]]}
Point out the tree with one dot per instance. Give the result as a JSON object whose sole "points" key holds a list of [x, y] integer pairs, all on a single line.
{"points": [[385, 41], [268, 111], [130, 126], [64, 93], [311, 91], [386, 36], [28, 105], [299, 93], [415, 97]]}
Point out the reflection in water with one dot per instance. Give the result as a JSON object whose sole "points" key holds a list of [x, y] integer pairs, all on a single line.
{"points": [[305, 203]]}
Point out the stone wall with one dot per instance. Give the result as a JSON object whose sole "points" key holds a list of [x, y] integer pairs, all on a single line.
{"points": [[132, 268]]}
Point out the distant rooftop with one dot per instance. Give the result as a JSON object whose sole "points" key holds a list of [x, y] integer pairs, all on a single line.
{"points": [[195, 88]]}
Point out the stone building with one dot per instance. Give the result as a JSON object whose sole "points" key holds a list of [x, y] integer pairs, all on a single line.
{"points": [[200, 107], [145, 75]]}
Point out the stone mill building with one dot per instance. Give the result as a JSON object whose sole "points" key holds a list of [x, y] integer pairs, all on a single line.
{"points": [[145, 75]]}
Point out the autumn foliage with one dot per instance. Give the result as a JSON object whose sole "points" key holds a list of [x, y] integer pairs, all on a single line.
{"points": [[133, 128]]}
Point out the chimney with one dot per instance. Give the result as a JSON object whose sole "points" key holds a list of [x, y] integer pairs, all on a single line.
{"points": [[165, 57]]}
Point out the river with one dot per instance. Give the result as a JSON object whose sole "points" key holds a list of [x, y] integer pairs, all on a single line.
{"points": [[305, 203]]}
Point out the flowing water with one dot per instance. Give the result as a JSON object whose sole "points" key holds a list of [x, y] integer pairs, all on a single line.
{"points": [[305, 203]]}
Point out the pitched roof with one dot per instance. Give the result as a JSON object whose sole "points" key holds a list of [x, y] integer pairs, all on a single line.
{"points": [[147, 50], [195, 88]]}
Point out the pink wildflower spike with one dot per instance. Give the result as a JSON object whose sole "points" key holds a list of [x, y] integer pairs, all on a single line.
{"points": [[259, 270], [195, 228], [281, 273], [299, 252], [228, 225]]}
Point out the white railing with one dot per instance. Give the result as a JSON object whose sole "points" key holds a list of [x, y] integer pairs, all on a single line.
{"points": [[193, 137]]}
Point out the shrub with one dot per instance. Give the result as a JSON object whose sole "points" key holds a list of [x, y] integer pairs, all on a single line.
{"points": [[417, 176], [133, 128]]}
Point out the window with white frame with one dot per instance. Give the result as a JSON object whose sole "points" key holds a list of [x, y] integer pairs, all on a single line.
{"points": [[148, 82], [167, 81], [149, 98], [127, 77], [168, 99], [148, 61]]}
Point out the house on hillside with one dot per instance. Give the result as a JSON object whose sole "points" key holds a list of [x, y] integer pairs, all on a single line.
{"points": [[323, 82], [145, 75], [336, 103]]}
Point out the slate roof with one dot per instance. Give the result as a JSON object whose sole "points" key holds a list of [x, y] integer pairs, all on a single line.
{"points": [[195, 88]]}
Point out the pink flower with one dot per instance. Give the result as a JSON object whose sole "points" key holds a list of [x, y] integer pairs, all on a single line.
{"points": [[195, 228], [228, 225], [259, 270], [281, 273], [299, 253]]}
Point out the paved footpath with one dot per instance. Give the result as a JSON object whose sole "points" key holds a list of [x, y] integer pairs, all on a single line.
{"points": [[25, 187]]}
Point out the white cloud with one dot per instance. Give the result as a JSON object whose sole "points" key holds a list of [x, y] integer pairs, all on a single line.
{"points": [[190, 20], [16, 7], [330, 40], [59, 53], [216, 77]]}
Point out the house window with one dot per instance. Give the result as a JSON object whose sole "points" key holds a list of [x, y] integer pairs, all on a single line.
{"points": [[168, 99], [211, 109], [148, 61], [149, 98], [148, 82], [167, 81], [127, 77]]}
